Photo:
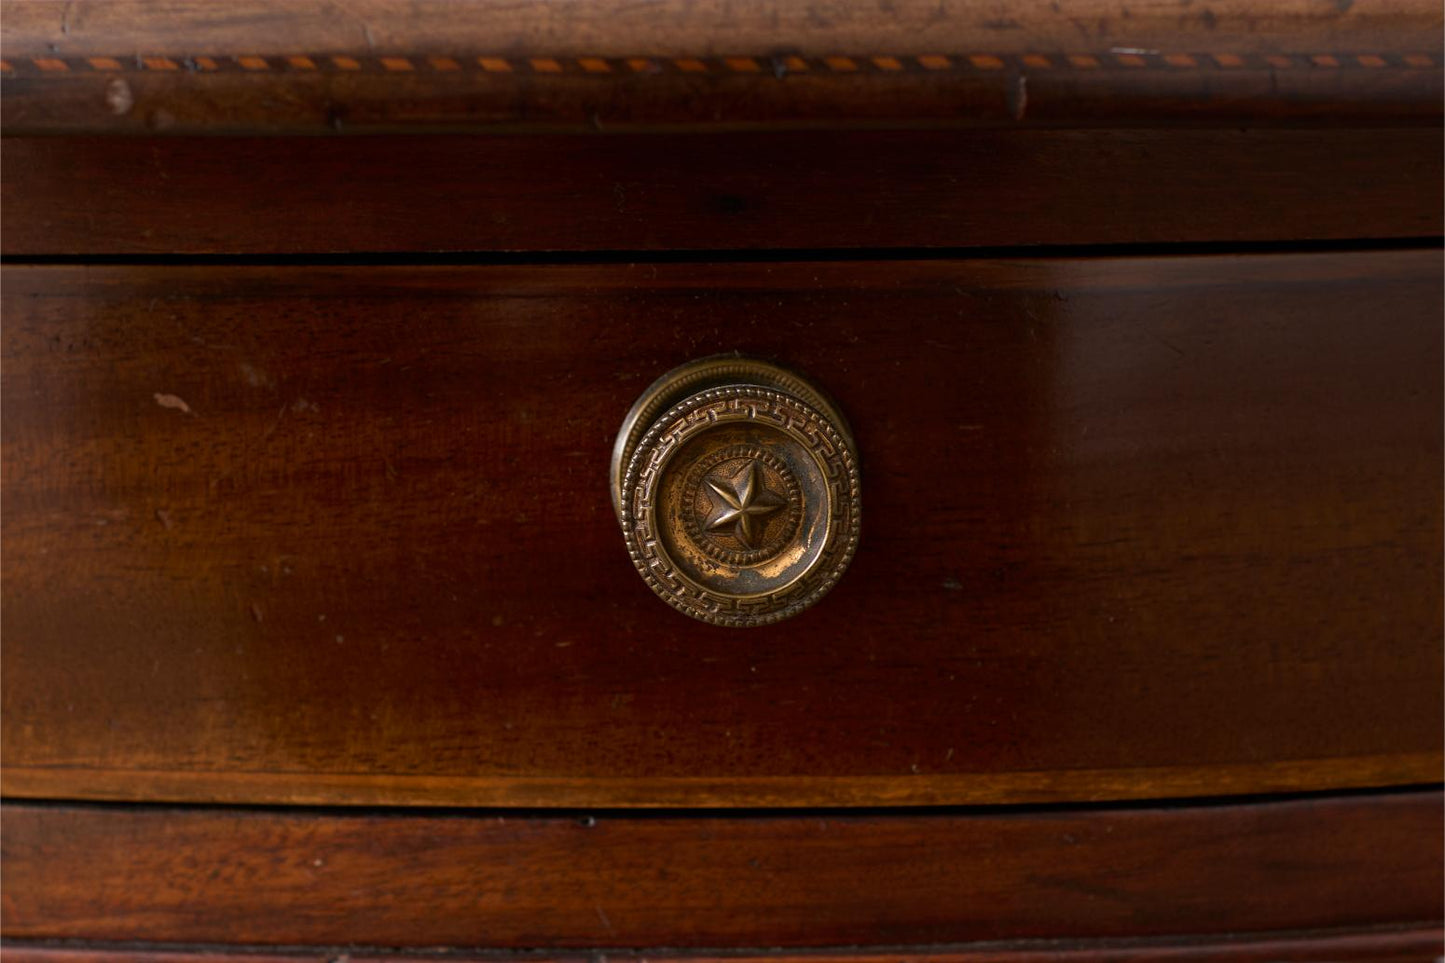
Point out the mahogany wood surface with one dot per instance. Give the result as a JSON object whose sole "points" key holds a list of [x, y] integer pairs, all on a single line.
{"points": [[617, 28], [177, 99], [1407, 944], [280, 65], [761, 191], [296, 878], [1131, 528]]}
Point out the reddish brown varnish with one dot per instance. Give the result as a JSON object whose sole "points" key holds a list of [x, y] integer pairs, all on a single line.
{"points": [[280, 65], [1135, 528], [1380, 945], [828, 879], [763, 191], [1132, 528], [701, 28]]}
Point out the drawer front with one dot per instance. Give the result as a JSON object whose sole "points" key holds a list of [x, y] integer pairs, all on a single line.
{"points": [[286, 878], [1132, 528], [105, 196]]}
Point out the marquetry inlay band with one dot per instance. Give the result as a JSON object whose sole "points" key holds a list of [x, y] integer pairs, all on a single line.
{"points": [[780, 66]]}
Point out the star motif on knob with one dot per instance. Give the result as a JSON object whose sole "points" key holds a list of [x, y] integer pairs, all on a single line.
{"points": [[741, 501]]}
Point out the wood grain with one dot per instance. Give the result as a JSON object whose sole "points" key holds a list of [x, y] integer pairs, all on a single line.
{"points": [[769, 191], [617, 28], [272, 65], [177, 100], [279, 878], [1132, 528], [1378, 945]]}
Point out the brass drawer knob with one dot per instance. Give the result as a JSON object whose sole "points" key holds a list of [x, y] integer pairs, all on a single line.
{"points": [[736, 483]]}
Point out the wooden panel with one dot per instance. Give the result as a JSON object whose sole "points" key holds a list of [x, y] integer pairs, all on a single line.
{"points": [[70, 196], [1132, 528], [178, 99], [1380, 945], [175, 875], [272, 65]]}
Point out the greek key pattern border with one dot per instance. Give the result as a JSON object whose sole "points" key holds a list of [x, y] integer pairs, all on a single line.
{"points": [[697, 414]]}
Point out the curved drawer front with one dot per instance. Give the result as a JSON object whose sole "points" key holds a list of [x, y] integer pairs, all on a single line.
{"points": [[1187, 874], [1135, 528]]}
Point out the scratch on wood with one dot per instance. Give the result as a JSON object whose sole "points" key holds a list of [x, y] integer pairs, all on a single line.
{"points": [[1018, 97], [119, 99], [173, 401]]}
